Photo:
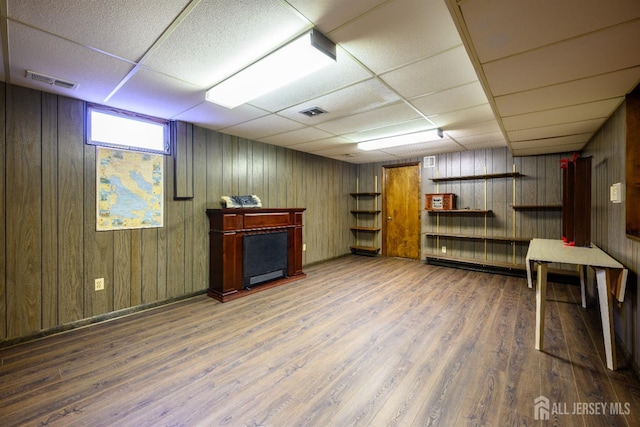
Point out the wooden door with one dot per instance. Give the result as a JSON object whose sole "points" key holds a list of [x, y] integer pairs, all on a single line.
{"points": [[401, 211]]}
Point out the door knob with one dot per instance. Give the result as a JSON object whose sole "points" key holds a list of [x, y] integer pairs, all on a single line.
{"points": [[388, 218]]}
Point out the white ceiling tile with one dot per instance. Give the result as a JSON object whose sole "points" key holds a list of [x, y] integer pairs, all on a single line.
{"points": [[577, 139], [535, 150], [330, 14], [574, 113], [296, 136], [347, 101], [380, 117], [213, 116], [415, 149], [564, 129], [262, 127], [322, 144], [229, 36], [501, 28], [394, 129], [450, 121], [458, 98], [398, 33], [590, 55], [424, 75], [606, 86], [471, 129], [445, 70], [156, 94], [109, 26], [495, 139], [96, 77]]}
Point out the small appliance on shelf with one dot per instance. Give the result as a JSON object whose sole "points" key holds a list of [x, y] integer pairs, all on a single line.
{"points": [[440, 201]]}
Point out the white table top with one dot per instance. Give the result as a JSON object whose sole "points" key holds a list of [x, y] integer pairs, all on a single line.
{"points": [[555, 251]]}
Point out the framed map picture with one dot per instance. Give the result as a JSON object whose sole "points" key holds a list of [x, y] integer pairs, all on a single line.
{"points": [[130, 189]]}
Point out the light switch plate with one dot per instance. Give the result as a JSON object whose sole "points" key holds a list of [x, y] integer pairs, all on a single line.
{"points": [[615, 193]]}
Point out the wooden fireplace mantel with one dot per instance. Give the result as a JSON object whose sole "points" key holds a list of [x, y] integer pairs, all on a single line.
{"points": [[227, 227]]}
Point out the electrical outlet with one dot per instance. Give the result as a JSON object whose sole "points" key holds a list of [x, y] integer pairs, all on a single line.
{"points": [[99, 284], [444, 249], [304, 246]]}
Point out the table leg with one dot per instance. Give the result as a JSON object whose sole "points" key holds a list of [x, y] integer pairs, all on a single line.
{"points": [[606, 312], [529, 279], [541, 297], [583, 284]]}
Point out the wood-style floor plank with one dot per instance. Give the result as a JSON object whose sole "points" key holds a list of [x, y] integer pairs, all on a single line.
{"points": [[361, 341]]}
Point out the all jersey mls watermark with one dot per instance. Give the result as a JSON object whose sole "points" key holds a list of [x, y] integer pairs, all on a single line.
{"points": [[543, 408]]}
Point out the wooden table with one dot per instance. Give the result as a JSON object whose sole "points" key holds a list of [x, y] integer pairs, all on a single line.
{"points": [[611, 277]]}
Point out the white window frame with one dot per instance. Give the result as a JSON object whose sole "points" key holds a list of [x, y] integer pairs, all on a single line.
{"points": [[129, 119]]}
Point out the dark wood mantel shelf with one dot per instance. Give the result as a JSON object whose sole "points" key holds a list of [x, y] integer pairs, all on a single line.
{"points": [[227, 227]]}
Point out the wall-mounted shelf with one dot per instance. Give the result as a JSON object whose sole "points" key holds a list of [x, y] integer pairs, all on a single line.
{"points": [[537, 207], [458, 211], [479, 237], [367, 221], [483, 176], [372, 229], [370, 194], [485, 238], [369, 212]]}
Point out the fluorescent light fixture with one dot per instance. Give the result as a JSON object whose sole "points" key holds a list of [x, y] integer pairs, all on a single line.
{"points": [[399, 140], [302, 56]]}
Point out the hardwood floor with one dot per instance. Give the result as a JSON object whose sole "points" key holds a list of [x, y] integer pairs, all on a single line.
{"points": [[360, 341]]}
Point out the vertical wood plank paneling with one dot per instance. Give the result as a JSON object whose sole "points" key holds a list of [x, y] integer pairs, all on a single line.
{"points": [[242, 147], [189, 221], [257, 172], [122, 260], [71, 245], [98, 246], [271, 170], [175, 249], [183, 160], [3, 210], [49, 210], [200, 228], [23, 214], [227, 166], [608, 222], [214, 169], [135, 275], [150, 265]]}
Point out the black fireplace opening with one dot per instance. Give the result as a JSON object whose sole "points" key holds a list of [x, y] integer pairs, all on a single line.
{"points": [[264, 257]]}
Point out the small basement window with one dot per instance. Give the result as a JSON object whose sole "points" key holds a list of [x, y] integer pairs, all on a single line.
{"points": [[110, 127]]}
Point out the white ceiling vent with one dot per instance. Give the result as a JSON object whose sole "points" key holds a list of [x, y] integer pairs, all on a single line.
{"points": [[312, 112], [52, 81]]}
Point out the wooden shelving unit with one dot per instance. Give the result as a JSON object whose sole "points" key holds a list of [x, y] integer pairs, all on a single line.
{"points": [[371, 214], [485, 211]]}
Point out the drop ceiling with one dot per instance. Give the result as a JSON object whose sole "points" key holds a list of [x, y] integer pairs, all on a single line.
{"points": [[537, 77]]}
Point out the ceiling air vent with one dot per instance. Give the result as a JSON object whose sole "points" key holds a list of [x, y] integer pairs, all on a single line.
{"points": [[52, 81], [312, 112], [429, 162]]}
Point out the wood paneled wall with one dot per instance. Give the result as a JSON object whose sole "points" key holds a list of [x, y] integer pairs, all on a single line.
{"points": [[608, 148], [540, 185], [51, 253]]}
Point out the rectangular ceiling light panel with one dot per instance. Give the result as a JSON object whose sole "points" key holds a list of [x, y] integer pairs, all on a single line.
{"points": [[400, 140], [308, 53]]}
